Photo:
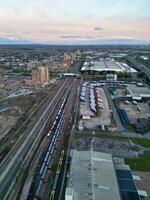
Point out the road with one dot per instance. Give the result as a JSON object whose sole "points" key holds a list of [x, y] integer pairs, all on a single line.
{"points": [[116, 116], [75, 67], [9, 170], [140, 66]]}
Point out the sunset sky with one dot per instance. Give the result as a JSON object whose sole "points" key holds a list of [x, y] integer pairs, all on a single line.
{"points": [[74, 21]]}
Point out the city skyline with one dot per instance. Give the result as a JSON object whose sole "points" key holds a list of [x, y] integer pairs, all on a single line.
{"points": [[78, 22]]}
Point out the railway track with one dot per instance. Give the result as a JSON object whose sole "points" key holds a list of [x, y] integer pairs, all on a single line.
{"points": [[9, 170], [46, 166]]}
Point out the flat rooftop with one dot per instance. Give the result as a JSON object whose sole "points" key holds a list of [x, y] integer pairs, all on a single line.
{"points": [[138, 92], [107, 65], [92, 176]]}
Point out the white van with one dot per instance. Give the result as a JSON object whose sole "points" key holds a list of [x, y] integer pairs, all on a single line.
{"points": [[126, 102], [138, 107], [134, 102]]}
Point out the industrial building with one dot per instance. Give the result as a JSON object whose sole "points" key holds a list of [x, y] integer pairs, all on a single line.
{"points": [[107, 65], [93, 175], [138, 92]]}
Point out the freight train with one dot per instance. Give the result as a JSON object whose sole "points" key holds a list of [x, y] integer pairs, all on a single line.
{"points": [[48, 158]]}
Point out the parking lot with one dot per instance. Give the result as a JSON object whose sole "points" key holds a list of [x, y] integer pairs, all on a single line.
{"points": [[117, 92], [117, 148], [101, 116], [144, 183], [132, 111]]}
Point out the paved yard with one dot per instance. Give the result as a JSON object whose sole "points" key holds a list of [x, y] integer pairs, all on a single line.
{"points": [[122, 149], [133, 113], [143, 184], [103, 118]]}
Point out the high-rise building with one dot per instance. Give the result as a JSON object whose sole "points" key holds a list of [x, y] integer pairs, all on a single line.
{"points": [[40, 76], [67, 60]]}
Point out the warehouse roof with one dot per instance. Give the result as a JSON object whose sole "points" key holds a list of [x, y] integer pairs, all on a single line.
{"points": [[107, 66], [92, 176], [138, 92]]}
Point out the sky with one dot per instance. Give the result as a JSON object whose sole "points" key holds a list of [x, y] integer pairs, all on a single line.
{"points": [[74, 21]]}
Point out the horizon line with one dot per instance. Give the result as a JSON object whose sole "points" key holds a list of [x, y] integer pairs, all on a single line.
{"points": [[46, 44]]}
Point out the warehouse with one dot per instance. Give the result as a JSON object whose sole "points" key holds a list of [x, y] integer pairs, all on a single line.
{"points": [[107, 65], [138, 93], [92, 175]]}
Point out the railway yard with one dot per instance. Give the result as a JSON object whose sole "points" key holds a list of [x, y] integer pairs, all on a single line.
{"points": [[35, 133], [52, 159]]}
